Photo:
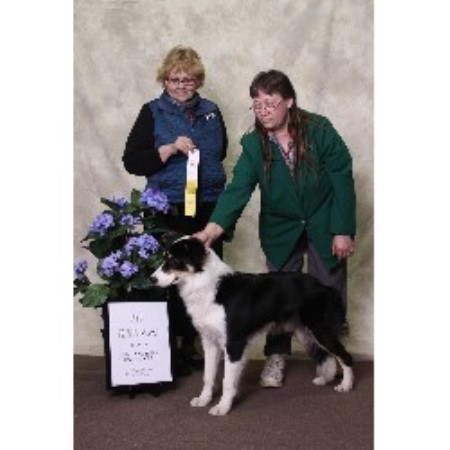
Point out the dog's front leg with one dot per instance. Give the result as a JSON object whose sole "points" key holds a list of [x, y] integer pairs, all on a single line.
{"points": [[212, 354], [231, 378]]}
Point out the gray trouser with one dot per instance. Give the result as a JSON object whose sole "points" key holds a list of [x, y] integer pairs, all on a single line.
{"points": [[280, 343]]}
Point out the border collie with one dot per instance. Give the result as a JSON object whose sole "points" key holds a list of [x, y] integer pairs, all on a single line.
{"points": [[228, 308]]}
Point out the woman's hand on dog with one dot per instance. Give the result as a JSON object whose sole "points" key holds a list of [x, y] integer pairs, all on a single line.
{"points": [[209, 234]]}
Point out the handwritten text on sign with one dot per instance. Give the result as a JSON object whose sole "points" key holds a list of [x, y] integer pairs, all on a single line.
{"points": [[139, 343]]}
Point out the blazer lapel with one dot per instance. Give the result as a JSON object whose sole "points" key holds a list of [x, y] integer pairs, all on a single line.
{"points": [[293, 188]]}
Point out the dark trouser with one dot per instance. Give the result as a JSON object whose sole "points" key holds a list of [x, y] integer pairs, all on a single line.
{"points": [[178, 222], [280, 343]]}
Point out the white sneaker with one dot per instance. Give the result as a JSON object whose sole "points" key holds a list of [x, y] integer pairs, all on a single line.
{"points": [[273, 372]]}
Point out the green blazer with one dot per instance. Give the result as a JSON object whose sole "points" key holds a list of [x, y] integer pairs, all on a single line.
{"points": [[319, 201]]}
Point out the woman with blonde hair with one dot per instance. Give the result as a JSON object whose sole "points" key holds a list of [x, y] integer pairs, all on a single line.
{"points": [[166, 130]]}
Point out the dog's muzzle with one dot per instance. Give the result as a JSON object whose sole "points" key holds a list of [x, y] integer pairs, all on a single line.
{"points": [[163, 279]]}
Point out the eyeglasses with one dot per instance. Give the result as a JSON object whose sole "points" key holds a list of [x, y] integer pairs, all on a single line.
{"points": [[269, 107], [183, 81]]}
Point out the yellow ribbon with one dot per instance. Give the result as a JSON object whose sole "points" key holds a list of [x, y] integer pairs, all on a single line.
{"points": [[190, 192], [190, 198]]}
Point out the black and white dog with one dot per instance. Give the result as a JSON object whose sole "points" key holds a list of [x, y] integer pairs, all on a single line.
{"points": [[227, 308]]}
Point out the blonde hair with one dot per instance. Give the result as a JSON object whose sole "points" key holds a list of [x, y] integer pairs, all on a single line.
{"points": [[185, 59]]}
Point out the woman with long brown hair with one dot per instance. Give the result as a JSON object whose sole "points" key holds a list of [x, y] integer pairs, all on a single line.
{"points": [[304, 172]]}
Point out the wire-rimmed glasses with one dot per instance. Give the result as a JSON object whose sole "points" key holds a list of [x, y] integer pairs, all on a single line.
{"points": [[269, 107], [181, 81]]}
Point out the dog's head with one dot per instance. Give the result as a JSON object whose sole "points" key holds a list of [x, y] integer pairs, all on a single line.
{"points": [[184, 257]]}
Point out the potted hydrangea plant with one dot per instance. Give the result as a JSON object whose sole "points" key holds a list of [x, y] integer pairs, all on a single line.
{"points": [[126, 240]]}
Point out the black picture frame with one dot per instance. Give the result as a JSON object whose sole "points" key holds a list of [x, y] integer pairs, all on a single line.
{"points": [[152, 295]]}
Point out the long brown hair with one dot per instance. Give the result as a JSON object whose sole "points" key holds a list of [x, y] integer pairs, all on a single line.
{"points": [[275, 81]]}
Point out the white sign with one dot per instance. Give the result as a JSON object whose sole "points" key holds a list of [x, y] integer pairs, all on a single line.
{"points": [[139, 343]]}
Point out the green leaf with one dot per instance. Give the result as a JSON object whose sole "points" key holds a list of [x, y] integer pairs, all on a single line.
{"points": [[95, 295], [135, 197], [116, 233], [131, 208], [77, 290], [148, 222], [90, 235], [81, 283], [117, 293], [100, 248], [116, 284], [155, 261], [140, 281], [80, 286], [110, 204]]}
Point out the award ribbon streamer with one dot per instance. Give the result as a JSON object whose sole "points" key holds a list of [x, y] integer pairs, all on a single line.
{"points": [[190, 192]]}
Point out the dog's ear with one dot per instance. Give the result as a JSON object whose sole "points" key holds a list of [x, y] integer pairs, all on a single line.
{"points": [[197, 252], [168, 238]]}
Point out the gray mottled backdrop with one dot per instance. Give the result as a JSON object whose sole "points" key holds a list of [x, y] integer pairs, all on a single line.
{"points": [[326, 48]]}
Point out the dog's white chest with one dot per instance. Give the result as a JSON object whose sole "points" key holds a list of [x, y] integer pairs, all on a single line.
{"points": [[199, 294], [209, 321]]}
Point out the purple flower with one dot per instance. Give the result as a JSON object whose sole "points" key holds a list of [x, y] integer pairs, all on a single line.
{"points": [[131, 244], [155, 199], [128, 269], [120, 201], [101, 223], [111, 263], [148, 242], [80, 269], [129, 220]]}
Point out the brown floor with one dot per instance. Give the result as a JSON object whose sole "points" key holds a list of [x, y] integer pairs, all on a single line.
{"points": [[298, 416]]}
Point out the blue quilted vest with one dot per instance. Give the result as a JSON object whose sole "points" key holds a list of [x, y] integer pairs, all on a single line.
{"points": [[206, 132]]}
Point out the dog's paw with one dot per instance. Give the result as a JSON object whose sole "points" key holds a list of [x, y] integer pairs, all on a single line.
{"points": [[320, 381], [200, 401], [219, 410], [343, 387]]}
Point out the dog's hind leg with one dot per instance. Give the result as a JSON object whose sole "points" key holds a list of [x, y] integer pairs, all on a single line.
{"points": [[212, 355], [326, 365], [334, 347], [326, 369], [348, 377]]}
